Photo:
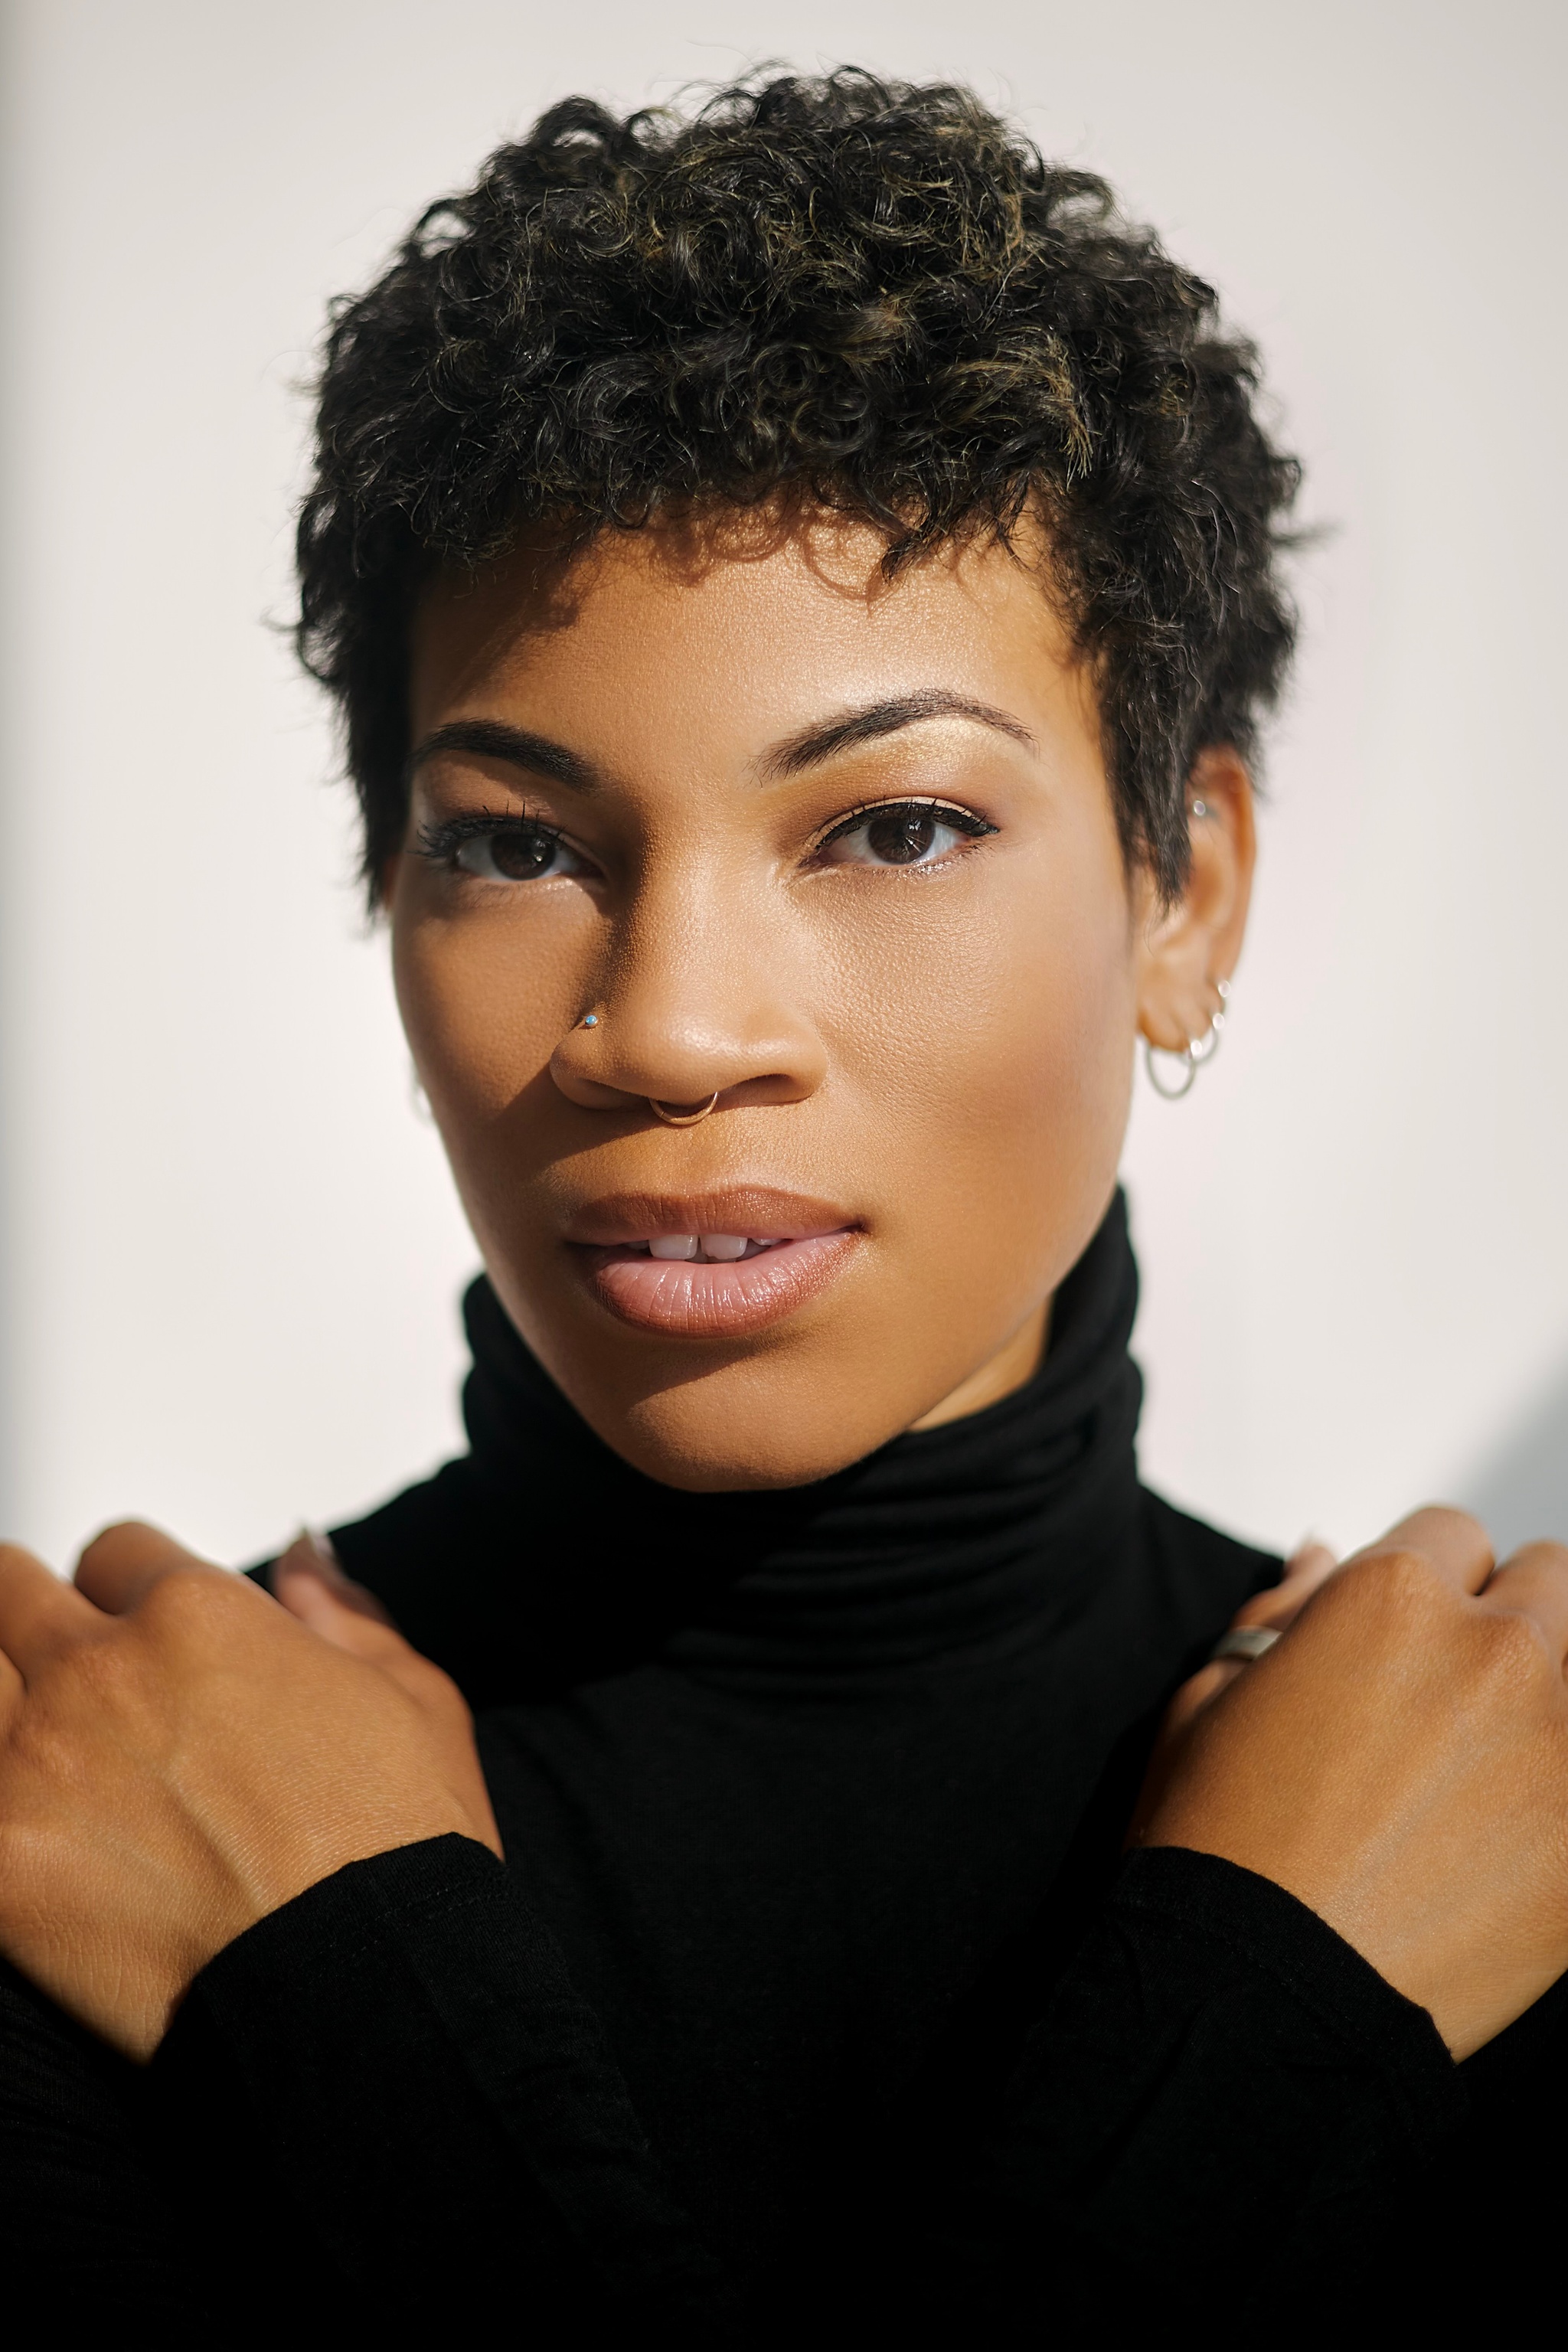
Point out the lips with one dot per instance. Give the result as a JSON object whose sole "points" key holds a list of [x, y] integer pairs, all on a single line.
{"points": [[717, 1267]]}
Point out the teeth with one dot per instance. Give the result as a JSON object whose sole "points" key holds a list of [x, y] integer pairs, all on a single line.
{"points": [[721, 1249]]}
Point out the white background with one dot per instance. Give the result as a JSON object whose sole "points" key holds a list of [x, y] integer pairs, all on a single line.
{"points": [[231, 1258]]}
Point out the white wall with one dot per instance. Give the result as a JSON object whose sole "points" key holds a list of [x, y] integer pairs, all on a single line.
{"points": [[231, 1258]]}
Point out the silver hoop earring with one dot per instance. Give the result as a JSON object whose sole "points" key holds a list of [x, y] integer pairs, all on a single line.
{"points": [[1187, 1065], [1196, 1051]]}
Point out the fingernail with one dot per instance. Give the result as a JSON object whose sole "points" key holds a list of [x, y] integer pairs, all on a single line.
{"points": [[316, 1546]]}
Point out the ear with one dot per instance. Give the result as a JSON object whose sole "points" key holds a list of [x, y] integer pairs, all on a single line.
{"points": [[1186, 950]]}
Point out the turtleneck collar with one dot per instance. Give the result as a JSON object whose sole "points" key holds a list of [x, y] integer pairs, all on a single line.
{"points": [[543, 1557]]}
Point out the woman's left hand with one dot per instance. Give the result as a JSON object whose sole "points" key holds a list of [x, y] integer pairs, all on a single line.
{"points": [[179, 1755], [1310, 1566]]}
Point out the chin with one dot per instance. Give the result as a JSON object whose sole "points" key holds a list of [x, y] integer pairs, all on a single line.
{"points": [[770, 1418], [783, 1406], [716, 1436]]}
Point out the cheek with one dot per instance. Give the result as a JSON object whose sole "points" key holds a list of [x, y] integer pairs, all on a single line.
{"points": [[482, 1013], [996, 1058]]}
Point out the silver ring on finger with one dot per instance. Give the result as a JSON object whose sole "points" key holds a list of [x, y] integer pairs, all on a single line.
{"points": [[1247, 1643]]}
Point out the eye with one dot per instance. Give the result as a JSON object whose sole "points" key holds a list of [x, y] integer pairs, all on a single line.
{"points": [[519, 854], [902, 833], [502, 849]]}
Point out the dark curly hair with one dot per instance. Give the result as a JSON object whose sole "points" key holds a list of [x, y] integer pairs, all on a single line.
{"points": [[846, 293]]}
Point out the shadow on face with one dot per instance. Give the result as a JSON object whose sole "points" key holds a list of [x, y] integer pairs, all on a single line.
{"points": [[721, 826]]}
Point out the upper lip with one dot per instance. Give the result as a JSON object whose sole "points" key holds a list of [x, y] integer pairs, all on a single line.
{"points": [[758, 1211]]}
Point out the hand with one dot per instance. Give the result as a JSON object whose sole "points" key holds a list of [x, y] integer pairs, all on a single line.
{"points": [[1399, 1762], [313, 1587], [1311, 1565], [180, 1756]]}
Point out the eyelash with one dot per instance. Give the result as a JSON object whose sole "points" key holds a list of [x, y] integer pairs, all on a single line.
{"points": [[441, 842], [962, 820]]}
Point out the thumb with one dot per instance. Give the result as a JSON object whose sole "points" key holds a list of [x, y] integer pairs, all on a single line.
{"points": [[1310, 1566], [123, 1562], [308, 1582]]}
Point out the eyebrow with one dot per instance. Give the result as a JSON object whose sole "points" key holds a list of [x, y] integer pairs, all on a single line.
{"points": [[492, 738], [814, 745]]}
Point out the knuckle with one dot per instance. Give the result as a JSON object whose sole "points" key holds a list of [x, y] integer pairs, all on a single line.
{"points": [[120, 1531], [1452, 1520], [1543, 1554], [1401, 1584], [377, 1642], [189, 1596], [434, 1687], [1517, 1653]]}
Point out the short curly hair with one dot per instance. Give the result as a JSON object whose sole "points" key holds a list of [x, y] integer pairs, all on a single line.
{"points": [[862, 296]]}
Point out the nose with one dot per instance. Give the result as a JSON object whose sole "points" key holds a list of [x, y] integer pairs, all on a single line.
{"points": [[702, 997]]}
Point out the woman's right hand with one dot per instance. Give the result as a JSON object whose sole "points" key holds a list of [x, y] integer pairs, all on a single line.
{"points": [[1399, 1762]]}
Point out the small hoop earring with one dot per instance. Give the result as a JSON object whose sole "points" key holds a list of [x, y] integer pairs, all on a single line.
{"points": [[677, 1115], [1196, 1051], [1189, 1068]]}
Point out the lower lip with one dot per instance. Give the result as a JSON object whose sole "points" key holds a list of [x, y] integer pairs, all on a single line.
{"points": [[693, 1300]]}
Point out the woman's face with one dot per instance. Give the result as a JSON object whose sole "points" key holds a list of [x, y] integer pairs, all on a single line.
{"points": [[842, 854]]}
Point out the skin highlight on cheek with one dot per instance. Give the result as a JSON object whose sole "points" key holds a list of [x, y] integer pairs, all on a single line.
{"points": [[918, 1039]]}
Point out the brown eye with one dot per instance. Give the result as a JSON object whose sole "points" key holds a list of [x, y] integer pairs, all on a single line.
{"points": [[901, 837], [522, 856], [905, 832], [513, 852]]}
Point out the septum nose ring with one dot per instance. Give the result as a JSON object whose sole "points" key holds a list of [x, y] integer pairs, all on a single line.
{"points": [[672, 1114], [682, 1114]]}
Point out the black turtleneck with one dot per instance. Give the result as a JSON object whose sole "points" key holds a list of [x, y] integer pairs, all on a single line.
{"points": [[812, 1993]]}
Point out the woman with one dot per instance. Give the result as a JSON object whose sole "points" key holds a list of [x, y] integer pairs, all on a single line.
{"points": [[800, 588]]}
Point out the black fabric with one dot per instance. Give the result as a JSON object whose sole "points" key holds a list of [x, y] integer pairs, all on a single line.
{"points": [[813, 1993], [532, 2153], [541, 1559]]}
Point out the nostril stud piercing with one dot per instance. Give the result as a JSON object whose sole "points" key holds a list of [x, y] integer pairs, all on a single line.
{"points": [[590, 1019]]}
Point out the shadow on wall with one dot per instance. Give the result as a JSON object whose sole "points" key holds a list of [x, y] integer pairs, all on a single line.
{"points": [[1522, 1491]]}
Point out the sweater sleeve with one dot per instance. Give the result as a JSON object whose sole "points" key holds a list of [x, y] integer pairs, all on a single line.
{"points": [[400, 2050], [1222, 2096], [402, 2053]]}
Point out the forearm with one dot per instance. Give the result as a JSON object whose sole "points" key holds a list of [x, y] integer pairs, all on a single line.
{"points": [[1220, 2089], [93, 2227], [403, 2051]]}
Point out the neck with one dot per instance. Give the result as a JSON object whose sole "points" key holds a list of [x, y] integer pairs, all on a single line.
{"points": [[542, 1557]]}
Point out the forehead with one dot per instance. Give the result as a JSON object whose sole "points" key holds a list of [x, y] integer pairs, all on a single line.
{"points": [[744, 630]]}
